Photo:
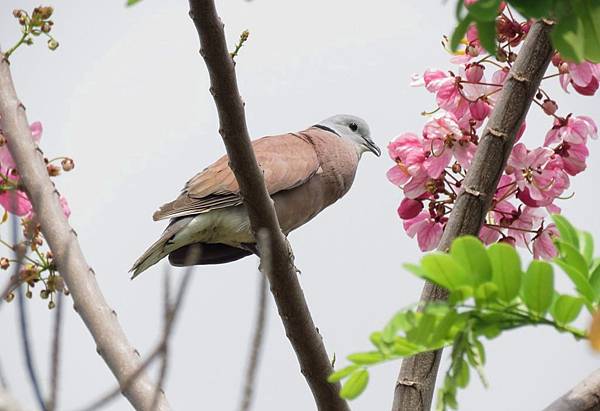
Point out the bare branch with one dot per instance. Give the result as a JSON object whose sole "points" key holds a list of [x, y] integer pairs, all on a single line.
{"points": [[291, 304], [415, 384], [256, 345], [155, 353], [56, 344], [26, 344], [100, 319], [585, 396]]}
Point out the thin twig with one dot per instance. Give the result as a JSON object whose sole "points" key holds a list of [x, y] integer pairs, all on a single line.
{"points": [[155, 353], [100, 319], [56, 344], [256, 345], [297, 320], [167, 313]]}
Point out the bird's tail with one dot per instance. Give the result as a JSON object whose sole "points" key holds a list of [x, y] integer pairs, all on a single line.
{"points": [[160, 249]]}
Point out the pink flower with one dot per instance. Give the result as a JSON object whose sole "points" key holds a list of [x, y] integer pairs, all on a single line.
{"points": [[407, 150], [583, 76], [428, 231], [16, 202], [446, 139], [573, 157], [574, 130], [539, 172], [543, 243], [6, 160], [528, 220]]}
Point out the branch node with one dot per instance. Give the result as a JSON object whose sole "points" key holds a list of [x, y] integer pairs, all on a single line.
{"points": [[74, 232], [91, 270], [22, 106], [520, 78], [497, 133], [473, 192]]}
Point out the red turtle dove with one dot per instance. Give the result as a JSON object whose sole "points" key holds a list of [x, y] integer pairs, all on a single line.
{"points": [[304, 173]]}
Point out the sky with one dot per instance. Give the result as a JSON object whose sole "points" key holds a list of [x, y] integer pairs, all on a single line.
{"points": [[126, 96]]}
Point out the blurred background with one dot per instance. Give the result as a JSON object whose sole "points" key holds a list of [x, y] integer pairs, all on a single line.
{"points": [[126, 95]]}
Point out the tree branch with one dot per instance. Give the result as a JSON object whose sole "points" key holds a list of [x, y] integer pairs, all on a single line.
{"points": [[291, 304], [415, 384], [100, 319], [585, 396], [256, 344]]}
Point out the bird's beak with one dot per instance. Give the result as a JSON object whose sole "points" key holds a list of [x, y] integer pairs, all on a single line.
{"points": [[372, 147]]}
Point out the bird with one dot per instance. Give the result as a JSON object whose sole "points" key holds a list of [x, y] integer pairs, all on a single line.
{"points": [[304, 173]]}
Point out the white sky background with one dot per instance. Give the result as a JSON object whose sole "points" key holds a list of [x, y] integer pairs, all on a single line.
{"points": [[126, 95]]}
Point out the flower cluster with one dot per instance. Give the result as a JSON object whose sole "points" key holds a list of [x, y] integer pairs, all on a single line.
{"points": [[430, 168], [34, 25], [35, 265]]}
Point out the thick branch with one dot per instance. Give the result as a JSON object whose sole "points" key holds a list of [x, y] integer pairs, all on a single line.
{"points": [[100, 319], [585, 396], [415, 384], [280, 270]]}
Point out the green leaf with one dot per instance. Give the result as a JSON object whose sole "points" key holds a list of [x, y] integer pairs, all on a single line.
{"points": [[566, 309], [533, 8], [403, 348], [366, 358], [506, 270], [442, 330], [586, 246], [582, 285], [398, 322], [470, 253], [443, 270], [487, 35], [569, 39], [414, 269], [459, 32], [485, 10], [462, 374], [568, 233], [422, 332], [538, 287], [355, 385], [460, 294], [590, 16], [377, 341], [132, 2], [572, 257], [486, 293], [343, 373], [595, 281]]}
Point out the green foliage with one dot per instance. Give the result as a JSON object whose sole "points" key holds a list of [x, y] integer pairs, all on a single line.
{"points": [[576, 34], [489, 293], [132, 2]]}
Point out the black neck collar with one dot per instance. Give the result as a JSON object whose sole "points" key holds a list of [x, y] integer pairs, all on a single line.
{"points": [[322, 127]]}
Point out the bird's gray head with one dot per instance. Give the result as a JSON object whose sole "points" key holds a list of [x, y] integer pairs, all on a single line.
{"points": [[351, 128]]}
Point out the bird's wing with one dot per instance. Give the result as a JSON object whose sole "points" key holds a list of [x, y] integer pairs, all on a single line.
{"points": [[287, 161]]}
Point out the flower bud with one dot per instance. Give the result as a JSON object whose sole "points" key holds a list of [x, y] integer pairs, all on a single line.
{"points": [[474, 73], [44, 12], [4, 263], [28, 294], [456, 168], [67, 164], [52, 44], [409, 208], [9, 297], [549, 107], [53, 170], [46, 27], [51, 305], [22, 20], [44, 294]]}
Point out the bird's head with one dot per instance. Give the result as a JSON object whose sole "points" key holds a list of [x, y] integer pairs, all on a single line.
{"points": [[352, 128]]}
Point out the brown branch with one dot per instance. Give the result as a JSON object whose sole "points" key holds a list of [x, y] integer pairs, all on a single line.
{"points": [[256, 345], [415, 384], [585, 396], [291, 304], [100, 319]]}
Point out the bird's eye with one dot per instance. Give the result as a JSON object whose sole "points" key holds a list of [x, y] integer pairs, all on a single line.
{"points": [[353, 126]]}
